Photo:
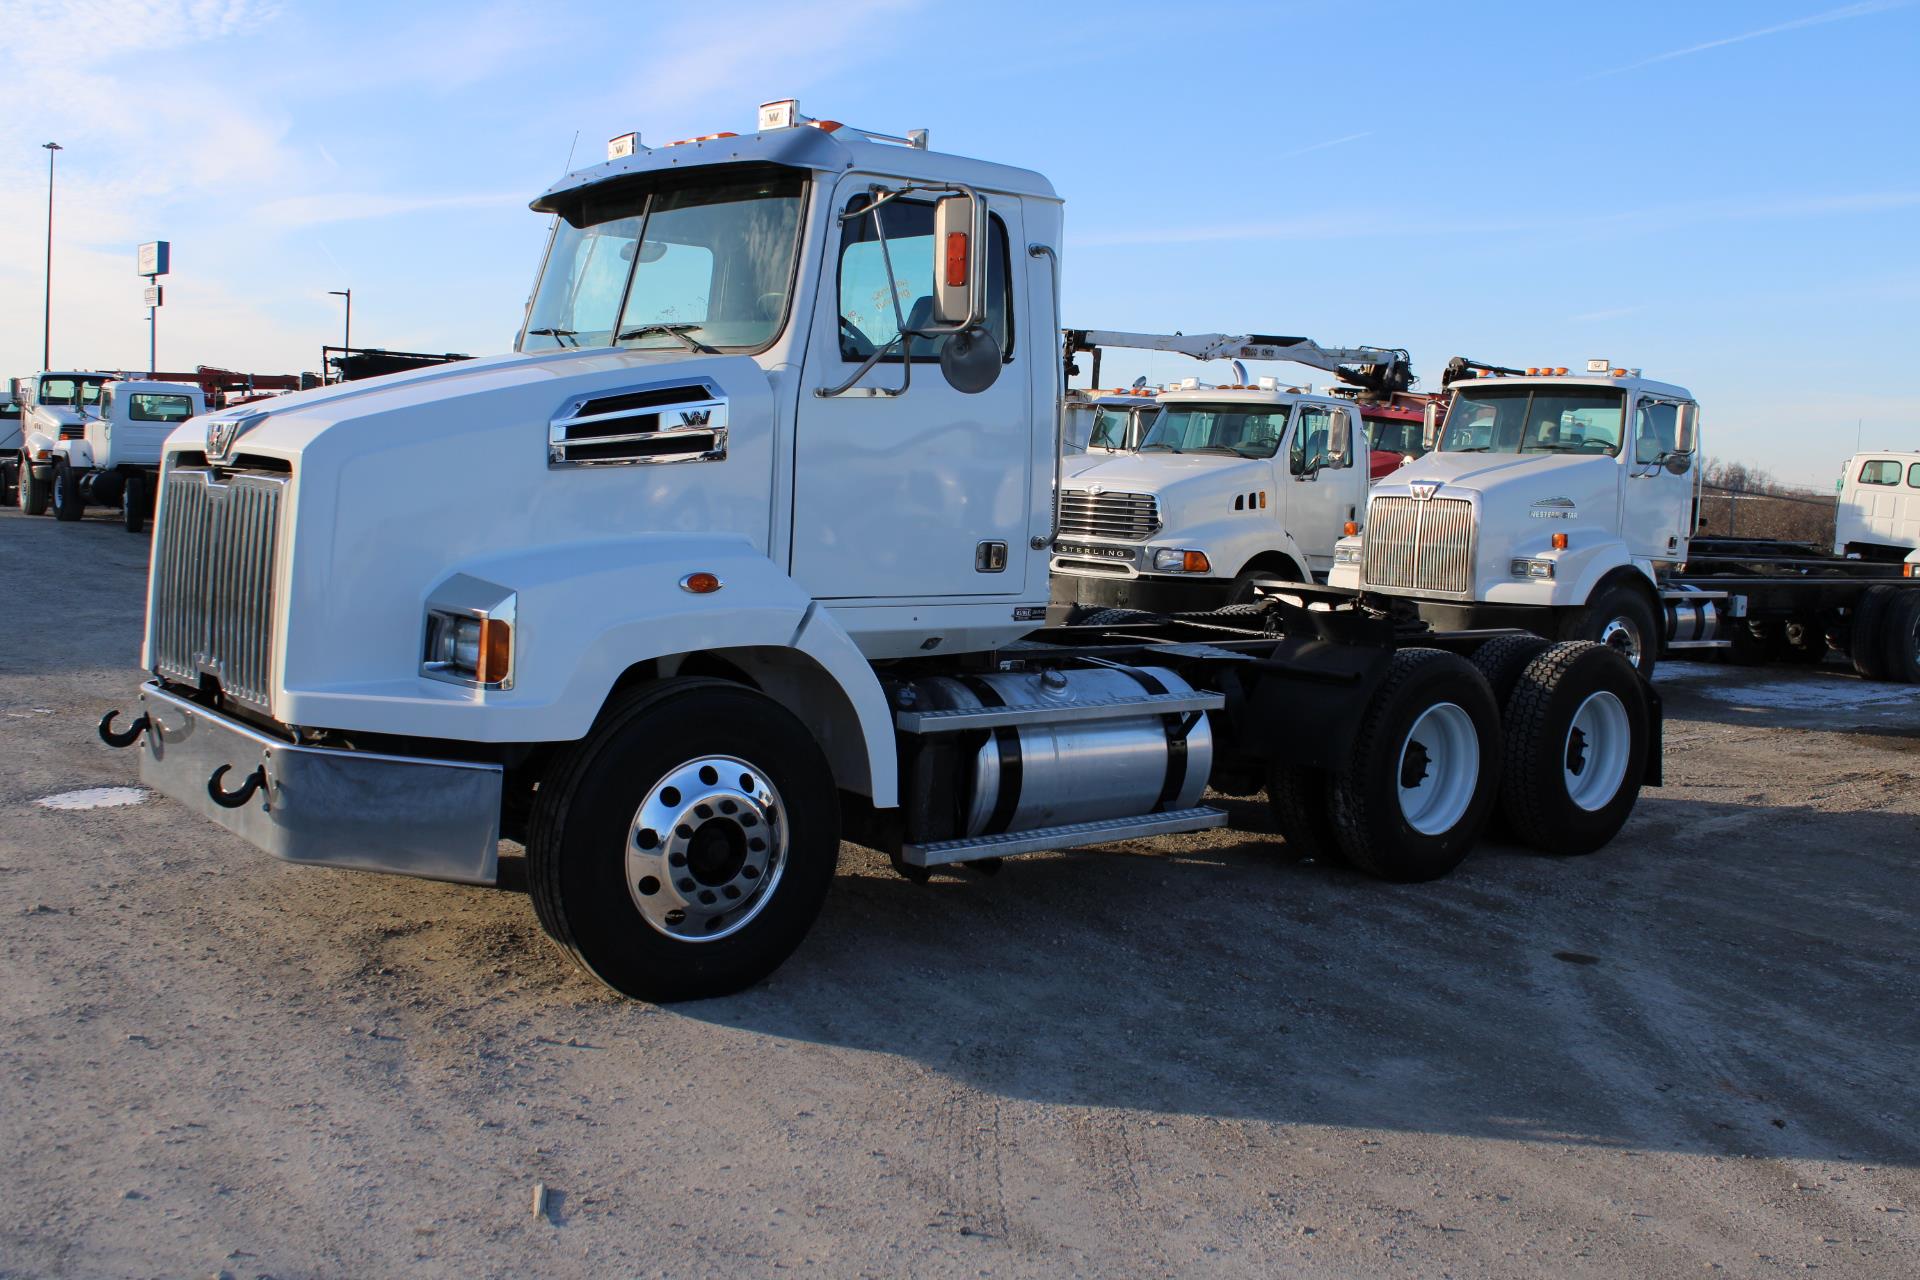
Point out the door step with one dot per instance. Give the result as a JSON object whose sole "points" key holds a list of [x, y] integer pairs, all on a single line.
{"points": [[958, 719], [1071, 835]]}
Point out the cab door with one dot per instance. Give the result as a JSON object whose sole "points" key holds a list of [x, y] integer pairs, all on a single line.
{"points": [[923, 494], [1659, 503], [1324, 489]]}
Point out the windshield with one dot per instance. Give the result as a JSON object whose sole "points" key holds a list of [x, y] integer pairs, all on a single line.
{"points": [[1535, 420], [62, 391], [1110, 427], [703, 267], [1232, 429]]}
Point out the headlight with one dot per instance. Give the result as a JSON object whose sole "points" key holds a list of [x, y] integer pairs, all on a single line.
{"points": [[1181, 560], [469, 633], [1346, 553], [1533, 568]]}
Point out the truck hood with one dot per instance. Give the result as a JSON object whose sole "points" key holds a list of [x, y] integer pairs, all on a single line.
{"points": [[1532, 493], [1161, 473], [1480, 472]]}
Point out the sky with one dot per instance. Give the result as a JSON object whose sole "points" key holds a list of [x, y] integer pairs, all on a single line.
{"points": [[1726, 195]]}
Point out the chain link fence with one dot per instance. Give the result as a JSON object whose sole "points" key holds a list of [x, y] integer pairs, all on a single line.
{"points": [[1773, 511]]}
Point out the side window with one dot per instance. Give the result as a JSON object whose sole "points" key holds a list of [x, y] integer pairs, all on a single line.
{"points": [[1880, 472], [867, 296], [1913, 476], [106, 404], [1312, 440], [1653, 430]]}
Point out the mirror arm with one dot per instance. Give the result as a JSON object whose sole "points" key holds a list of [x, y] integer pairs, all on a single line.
{"points": [[879, 354]]}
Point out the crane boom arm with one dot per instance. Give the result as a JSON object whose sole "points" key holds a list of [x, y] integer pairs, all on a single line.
{"points": [[1377, 369]]}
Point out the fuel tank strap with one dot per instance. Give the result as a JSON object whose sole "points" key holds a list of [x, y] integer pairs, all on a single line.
{"points": [[1178, 727]]}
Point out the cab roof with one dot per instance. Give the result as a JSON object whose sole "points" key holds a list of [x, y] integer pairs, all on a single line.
{"points": [[811, 145], [1630, 381]]}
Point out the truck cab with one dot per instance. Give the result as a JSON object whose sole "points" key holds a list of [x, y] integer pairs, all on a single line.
{"points": [[1232, 490], [56, 405], [1550, 501], [110, 454], [1879, 513], [1102, 424]]}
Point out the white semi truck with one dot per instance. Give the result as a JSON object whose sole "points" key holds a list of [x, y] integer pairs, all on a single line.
{"points": [[704, 576], [110, 456], [1567, 504], [1878, 517], [1101, 424]]}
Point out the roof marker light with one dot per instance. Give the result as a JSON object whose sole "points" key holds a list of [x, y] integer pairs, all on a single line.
{"points": [[623, 146], [1599, 366], [784, 114]]}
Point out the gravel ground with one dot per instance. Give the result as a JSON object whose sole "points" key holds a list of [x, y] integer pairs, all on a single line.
{"points": [[1690, 1053]]}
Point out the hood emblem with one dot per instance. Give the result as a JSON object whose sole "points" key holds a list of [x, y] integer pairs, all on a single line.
{"points": [[1094, 490], [224, 433], [1423, 490], [1563, 504]]}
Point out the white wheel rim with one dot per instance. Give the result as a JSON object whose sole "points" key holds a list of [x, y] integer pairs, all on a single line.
{"points": [[1621, 635], [706, 849], [1439, 769], [1594, 758]]}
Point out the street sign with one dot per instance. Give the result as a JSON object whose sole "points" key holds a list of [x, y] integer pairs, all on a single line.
{"points": [[154, 258], [152, 294]]}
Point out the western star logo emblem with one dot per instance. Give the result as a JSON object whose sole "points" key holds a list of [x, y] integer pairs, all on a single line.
{"points": [[1423, 490], [224, 433]]}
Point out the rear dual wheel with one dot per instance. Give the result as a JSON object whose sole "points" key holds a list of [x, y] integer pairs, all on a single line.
{"points": [[1576, 748], [1900, 625], [684, 847]]}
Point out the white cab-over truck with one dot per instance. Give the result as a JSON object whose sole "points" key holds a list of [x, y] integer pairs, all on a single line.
{"points": [[1566, 504], [1878, 517], [54, 405], [110, 456], [745, 547]]}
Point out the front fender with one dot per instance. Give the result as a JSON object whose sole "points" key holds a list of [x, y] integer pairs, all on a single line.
{"points": [[586, 613], [41, 445], [1576, 572], [1232, 544]]}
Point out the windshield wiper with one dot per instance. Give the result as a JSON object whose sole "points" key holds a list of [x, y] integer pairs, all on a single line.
{"points": [[676, 330], [1169, 448], [559, 334], [1478, 448]]}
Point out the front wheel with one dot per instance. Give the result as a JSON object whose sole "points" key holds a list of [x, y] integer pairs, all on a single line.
{"points": [[683, 849], [67, 503], [1254, 585], [1622, 619], [1425, 769], [134, 500], [35, 491]]}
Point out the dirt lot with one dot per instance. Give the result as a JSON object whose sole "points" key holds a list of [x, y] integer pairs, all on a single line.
{"points": [[1691, 1053]]}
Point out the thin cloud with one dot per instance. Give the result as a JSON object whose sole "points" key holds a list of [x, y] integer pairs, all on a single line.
{"points": [[1866, 8], [1322, 146], [1611, 313]]}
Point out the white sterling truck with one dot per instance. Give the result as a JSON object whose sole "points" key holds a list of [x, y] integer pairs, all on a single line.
{"points": [[111, 457], [55, 405], [704, 576], [1101, 424], [1879, 513], [1566, 503]]}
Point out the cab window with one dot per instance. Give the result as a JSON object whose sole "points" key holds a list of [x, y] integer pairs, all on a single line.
{"points": [[1880, 471], [1913, 476], [867, 297], [1312, 440], [159, 408], [1653, 430]]}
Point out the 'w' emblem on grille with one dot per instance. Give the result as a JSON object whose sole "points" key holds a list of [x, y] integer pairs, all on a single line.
{"points": [[695, 417], [1423, 490], [224, 433]]}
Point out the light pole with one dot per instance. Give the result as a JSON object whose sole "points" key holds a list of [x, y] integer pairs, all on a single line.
{"points": [[346, 341], [46, 329]]}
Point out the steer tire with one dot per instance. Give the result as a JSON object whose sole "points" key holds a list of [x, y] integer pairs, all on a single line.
{"points": [[589, 814], [36, 491], [1247, 588], [1392, 767], [134, 501], [1625, 611], [1867, 643], [1298, 797], [1901, 624], [1591, 690], [67, 503]]}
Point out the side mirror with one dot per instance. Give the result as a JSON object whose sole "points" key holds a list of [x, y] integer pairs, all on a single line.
{"points": [[1685, 428], [959, 261], [1430, 425], [1678, 463], [1339, 439]]}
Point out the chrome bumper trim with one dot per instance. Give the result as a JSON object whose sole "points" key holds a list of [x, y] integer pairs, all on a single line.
{"points": [[437, 819]]}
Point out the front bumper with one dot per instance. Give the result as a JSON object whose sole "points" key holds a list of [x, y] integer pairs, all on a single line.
{"points": [[439, 819], [1156, 595]]}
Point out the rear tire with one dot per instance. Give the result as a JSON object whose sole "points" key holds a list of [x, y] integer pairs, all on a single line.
{"points": [[67, 503], [35, 489], [9, 483], [1866, 645], [1901, 624], [1425, 769], [1621, 618], [1502, 659], [1576, 749], [683, 848], [1299, 798]]}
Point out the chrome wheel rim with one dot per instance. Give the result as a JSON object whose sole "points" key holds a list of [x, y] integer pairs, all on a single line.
{"points": [[1594, 761], [706, 849], [1622, 636], [1439, 768]]}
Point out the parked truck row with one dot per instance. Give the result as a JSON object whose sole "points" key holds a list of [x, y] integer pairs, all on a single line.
{"points": [[746, 548]]}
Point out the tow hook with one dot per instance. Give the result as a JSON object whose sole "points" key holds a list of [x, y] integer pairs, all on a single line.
{"points": [[122, 737], [235, 799]]}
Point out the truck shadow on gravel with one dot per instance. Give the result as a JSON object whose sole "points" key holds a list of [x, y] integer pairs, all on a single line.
{"points": [[1725, 979]]}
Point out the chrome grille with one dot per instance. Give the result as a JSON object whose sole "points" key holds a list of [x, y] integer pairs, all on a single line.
{"points": [[1128, 517], [1420, 546], [213, 581]]}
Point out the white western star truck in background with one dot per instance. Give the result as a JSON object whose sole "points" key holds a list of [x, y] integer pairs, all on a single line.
{"points": [[1567, 503], [1234, 490], [705, 574], [111, 457], [1101, 424], [1878, 517]]}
